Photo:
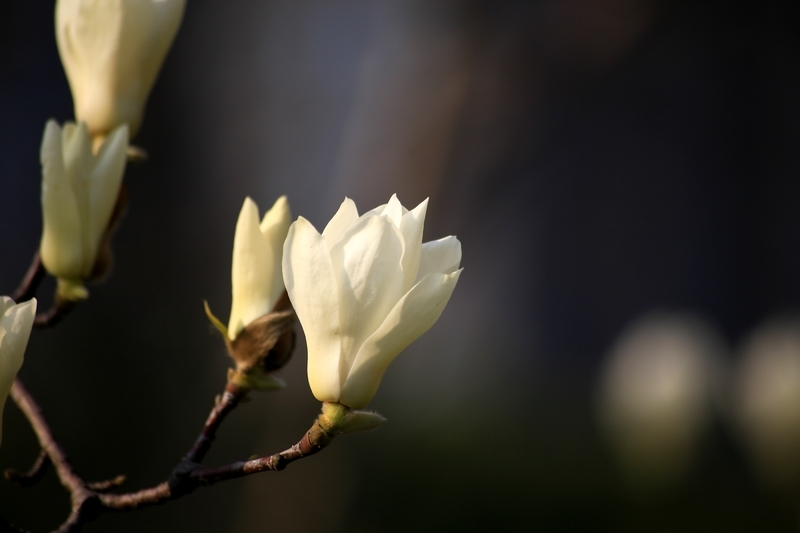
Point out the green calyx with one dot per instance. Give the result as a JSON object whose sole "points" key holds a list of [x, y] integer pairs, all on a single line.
{"points": [[337, 418]]}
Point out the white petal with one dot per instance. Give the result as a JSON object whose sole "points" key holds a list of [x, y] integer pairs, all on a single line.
{"points": [[367, 265], [79, 163], [16, 321], [252, 271], [377, 211], [104, 186], [15, 329], [345, 217], [442, 256], [411, 227], [311, 284], [410, 318], [6, 303], [61, 247], [274, 226], [394, 210], [166, 19]]}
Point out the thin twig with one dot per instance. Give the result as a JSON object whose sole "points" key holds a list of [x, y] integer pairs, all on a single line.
{"points": [[32, 476], [30, 283], [78, 492], [108, 484], [229, 400], [314, 440], [60, 309]]}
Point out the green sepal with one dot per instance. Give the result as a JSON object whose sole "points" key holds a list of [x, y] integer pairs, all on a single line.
{"points": [[215, 321], [71, 290], [337, 418], [251, 381]]}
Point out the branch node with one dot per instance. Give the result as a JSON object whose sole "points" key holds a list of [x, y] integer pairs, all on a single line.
{"points": [[180, 479], [277, 462]]}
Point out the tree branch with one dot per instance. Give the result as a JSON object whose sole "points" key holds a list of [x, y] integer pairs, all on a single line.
{"points": [[60, 309], [32, 476], [314, 440], [91, 499], [230, 399], [30, 283]]}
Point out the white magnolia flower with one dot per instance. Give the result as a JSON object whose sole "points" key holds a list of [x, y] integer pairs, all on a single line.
{"points": [[257, 254], [112, 51], [15, 328], [79, 191], [363, 291]]}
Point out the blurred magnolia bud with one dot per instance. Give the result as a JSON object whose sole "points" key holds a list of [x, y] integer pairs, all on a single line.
{"points": [[656, 395], [363, 290], [15, 329], [260, 334], [80, 191], [112, 51], [766, 400]]}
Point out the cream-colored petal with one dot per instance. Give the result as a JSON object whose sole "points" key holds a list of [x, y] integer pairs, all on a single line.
{"points": [[6, 303], [310, 281], [377, 211], [104, 186], [394, 210], [61, 247], [411, 227], [166, 17], [367, 265], [79, 163], [442, 256], [17, 322], [345, 217], [252, 271], [274, 226], [6, 371], [15, 329], [88, 34], [410, 318]]}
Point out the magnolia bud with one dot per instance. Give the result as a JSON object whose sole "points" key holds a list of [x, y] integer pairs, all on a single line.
{"points": [[112, 51], [80, 203], [264, 346]]}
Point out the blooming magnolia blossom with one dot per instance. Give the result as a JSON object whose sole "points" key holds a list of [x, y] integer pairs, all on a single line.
{"points": [[112, 51], [363, 290], [15, 328], [256, 277], [79, 191]]}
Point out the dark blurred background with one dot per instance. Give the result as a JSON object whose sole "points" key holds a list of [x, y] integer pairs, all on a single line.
{"points": [[598, 160]]}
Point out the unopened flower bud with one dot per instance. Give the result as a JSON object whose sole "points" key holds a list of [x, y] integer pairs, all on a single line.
{"points": [[112, 51], [80, 203], [260, 335]]}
